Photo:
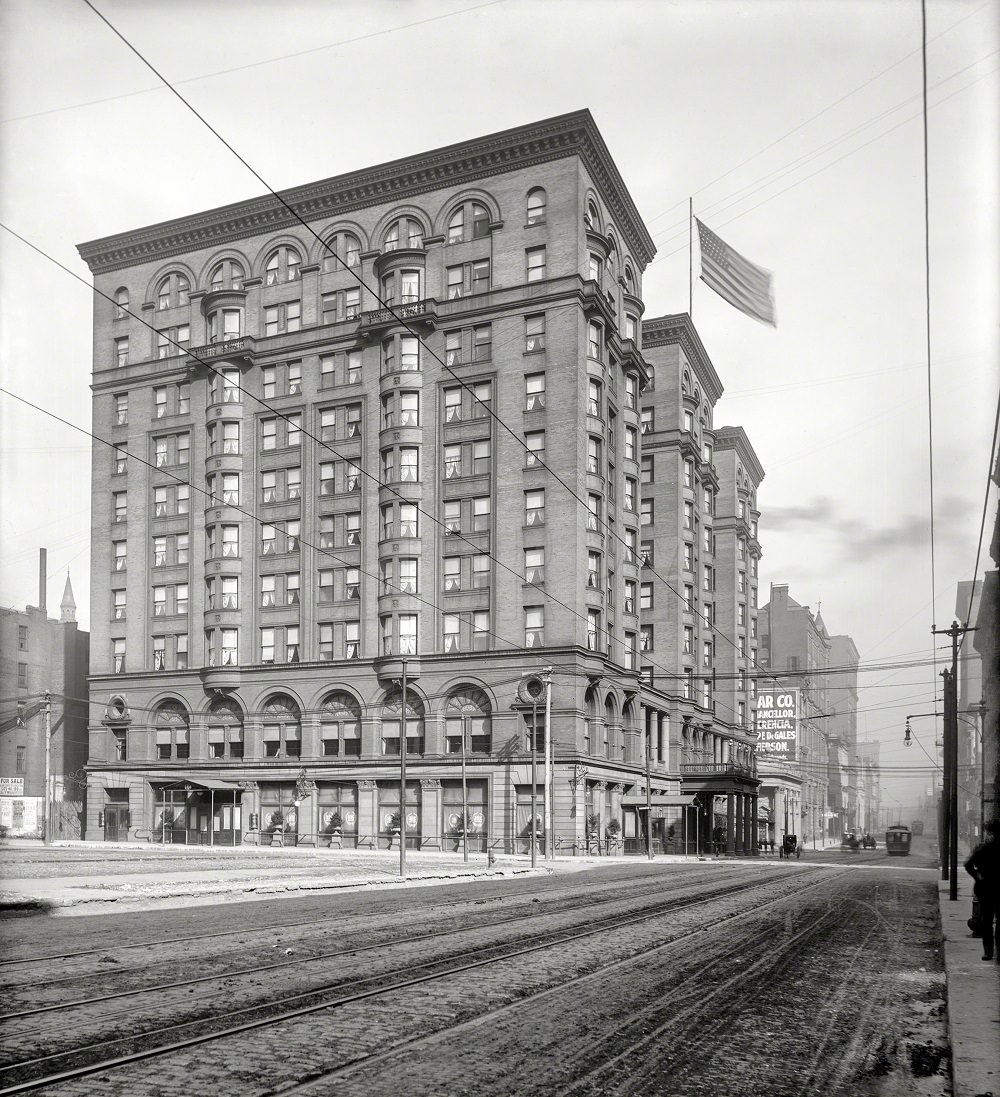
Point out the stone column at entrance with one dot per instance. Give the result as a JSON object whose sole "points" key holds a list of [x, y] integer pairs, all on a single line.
{"points": [[367, 822], [730, 823], [431, 815], [249, 805], [579, 782], [740, 823], [750, 830]]}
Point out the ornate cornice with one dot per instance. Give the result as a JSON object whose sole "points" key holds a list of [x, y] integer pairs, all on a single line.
{"points": [[679, 329], [736, 438], [567, 135]]}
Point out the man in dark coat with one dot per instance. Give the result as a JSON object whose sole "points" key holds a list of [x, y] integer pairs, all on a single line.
{"points": [[984, 867]]}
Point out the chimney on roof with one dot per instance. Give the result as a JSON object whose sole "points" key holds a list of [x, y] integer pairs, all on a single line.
{"points": [[42, 555]]}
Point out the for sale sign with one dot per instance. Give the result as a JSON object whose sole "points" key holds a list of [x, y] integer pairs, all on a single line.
{"points": [[778, 724]]}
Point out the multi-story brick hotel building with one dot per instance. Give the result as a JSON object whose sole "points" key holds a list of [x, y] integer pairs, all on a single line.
{"points": [[393, 417]]}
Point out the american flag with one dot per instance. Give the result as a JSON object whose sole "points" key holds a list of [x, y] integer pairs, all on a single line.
{"points": [[743, 284]]}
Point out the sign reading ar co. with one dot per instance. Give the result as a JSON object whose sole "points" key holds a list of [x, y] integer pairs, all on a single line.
{"points": [[778, 723]]}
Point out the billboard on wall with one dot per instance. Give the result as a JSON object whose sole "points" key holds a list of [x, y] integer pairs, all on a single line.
{"points": [[778, 724]]}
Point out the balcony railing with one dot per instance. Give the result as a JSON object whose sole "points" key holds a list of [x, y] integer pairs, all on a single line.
{"points": [[716, 769], [224, 349], [416, 310]]}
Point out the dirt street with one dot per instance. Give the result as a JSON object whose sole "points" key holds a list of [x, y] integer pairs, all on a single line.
{"points": [[697, 980]]}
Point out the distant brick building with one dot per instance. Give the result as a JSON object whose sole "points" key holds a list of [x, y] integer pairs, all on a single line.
{"points": [[39, 655]]}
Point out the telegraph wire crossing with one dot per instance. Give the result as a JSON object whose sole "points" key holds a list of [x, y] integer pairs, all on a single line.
{"points": [[819, 114], [719, 209], [392, 311], [437, 608], [433, 354], [611, 532]]}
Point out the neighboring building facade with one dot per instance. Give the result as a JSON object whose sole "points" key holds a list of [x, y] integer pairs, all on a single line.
{"points": [[986, 642], [40, 656], [698, 588], [869, 785], [971, 769], [795, 649], [842, 732]]}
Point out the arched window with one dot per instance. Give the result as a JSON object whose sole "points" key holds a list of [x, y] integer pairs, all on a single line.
{"points": [[282, 731], [592, 218], [173, 291], [392, 712], [468, 714], [226, 275], [342, 249], [609, 720], [470, 221], [404, 233], [611, 263], [172, 736], [225, 730], [629, 280], [686, 383], [282, 266], [536, 206], [340, 726], [121, 304]]}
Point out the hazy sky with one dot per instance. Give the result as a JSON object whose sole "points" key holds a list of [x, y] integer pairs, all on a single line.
{"points": [[795, 126]]}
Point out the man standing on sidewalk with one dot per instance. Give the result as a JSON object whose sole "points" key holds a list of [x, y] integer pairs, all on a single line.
{"points": [[984, 867]]}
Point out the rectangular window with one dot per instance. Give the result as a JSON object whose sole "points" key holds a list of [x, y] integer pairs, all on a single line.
{"points": [[631, 448], [482, 343], [534, 626], [121, 352], [534, 392], [534, 507], [535, 264], [534, 333], [121, 409], [534, 442], [481, 510], [534, 565]]}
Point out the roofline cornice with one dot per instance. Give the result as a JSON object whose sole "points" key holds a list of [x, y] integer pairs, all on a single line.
{"points": [[679, 329], [574, 134], [736, 438]]}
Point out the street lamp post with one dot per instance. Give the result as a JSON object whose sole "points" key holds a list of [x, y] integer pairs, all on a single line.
{"points": [[402, 781]]}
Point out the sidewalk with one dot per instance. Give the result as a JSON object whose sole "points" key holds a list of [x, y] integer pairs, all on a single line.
{"points": [[177, 876], [973, 998]]}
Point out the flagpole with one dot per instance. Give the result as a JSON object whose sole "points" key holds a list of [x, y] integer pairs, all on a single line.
{"points": [[691, 257]]}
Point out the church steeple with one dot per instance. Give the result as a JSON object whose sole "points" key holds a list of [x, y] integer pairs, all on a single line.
{"points": [[67, 606]]}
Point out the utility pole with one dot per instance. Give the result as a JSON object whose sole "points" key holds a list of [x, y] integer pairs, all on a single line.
{"points": [[549, 763], [951, 757], [402, 781], [649, 806], [46, 827]]}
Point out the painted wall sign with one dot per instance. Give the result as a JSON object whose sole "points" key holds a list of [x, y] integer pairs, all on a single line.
{"points": [[778, 724]]}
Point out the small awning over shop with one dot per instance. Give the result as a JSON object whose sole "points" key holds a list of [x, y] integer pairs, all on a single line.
{"points": [[678, 801], [195, 784]]}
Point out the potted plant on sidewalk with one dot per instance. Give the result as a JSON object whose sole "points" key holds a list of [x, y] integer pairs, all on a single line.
{"points": [[394, 826], [594, 832], [334, 830], [614, 831]]}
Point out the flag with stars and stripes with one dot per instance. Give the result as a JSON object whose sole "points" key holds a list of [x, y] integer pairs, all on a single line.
{"points": [[743, 284]]}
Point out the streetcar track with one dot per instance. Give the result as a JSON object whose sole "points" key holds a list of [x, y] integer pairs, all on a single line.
{"points": [[268, 928], [385, 987], [312, 958], [308, 1085]]}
